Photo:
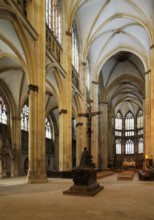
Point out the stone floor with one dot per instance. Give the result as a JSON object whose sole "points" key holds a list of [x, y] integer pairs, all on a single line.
{"points": [[120, 200]]}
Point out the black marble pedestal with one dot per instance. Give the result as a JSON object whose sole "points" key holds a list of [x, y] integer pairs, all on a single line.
{"points": [[85, 183]]}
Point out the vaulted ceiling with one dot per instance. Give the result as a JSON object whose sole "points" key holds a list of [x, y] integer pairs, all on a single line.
{"points": [[117, 35]]}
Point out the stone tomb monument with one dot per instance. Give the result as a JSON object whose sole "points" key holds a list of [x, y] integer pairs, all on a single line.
{"points": [[85, 178]]}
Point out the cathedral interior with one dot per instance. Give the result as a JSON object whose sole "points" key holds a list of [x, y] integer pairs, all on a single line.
{"points": [[76, 74]]}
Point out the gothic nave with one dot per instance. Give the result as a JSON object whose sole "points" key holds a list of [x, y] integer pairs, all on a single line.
{"points": [[63, 62]]}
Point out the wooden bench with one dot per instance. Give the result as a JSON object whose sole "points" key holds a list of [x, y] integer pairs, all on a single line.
{"points": [[125, 175], [145, 175]]}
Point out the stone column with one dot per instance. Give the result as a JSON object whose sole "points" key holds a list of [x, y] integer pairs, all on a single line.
{"points": [[147, 116], [94, 134], [111, 139], [151, 147], [79, 144], [37, 163], [65, 114], [65, 142], [104, 133], [36, 172], [83, 137], [16, 142], [56, 151], [1, 156]]}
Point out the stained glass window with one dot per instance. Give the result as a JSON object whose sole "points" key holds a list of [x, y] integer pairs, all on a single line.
{"points": [[3, 112], [118, 146], [118, 121], [53, 17], [25, 118], [75, 49], [129, 147], [140, 119], [140, 145], [129, 121], [48, 129]]}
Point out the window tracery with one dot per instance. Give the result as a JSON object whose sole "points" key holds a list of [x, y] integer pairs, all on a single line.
{"points": [[3, 112], [53, 17]]}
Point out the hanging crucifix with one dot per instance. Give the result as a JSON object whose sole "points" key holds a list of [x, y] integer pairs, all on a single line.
{"points": [[89, 114]]}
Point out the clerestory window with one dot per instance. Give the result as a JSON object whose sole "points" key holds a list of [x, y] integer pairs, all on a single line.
{"points": [[53, 17], [3, 111]]}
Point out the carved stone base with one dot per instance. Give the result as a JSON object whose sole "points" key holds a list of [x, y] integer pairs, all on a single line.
{"points": [[37, 177], [84, 183]]}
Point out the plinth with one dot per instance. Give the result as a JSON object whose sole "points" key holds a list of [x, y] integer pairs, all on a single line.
{"points": [[85, 183]]}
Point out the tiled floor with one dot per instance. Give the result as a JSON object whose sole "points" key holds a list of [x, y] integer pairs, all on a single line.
{"points": [[120, 200]]}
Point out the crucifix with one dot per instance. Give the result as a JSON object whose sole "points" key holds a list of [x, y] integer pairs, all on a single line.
{"points": [[89, 114]]}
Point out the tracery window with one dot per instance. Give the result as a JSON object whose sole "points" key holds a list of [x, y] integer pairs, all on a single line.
{"points": [[88, 76], [53, 17], [25, 117], [140, 119], [3, 112], [75, 49], [129, 124], [48, 132], [140, 122], [118, 146], [118, 124], [129, 147], [140, 145]]}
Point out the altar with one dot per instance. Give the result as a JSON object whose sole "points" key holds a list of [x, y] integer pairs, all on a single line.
{"points": [[129, 164]]}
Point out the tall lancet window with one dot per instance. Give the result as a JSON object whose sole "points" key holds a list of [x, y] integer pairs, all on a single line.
{"points": [[118, 124], [140, 122], [53, 17], [129, 124], [75, 48], [88, 75], [129, 147], [3, 112], [25, 117], [48, 132]]}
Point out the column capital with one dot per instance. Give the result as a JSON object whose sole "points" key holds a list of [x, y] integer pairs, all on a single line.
{"points": [[79, 124], [63, 111], [152, 46], [16, 118], [147, 72], [33, 88], [94, 82], [68, 33], [84, 64], [102, 102]]}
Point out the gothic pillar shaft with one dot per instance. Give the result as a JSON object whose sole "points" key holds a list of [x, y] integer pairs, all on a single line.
{"points": [[83, 137], [79, 143], [151, 147], [65, 118], [37, 172], [104, 134], [147, 116], [16, 140], [94, 134]]}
